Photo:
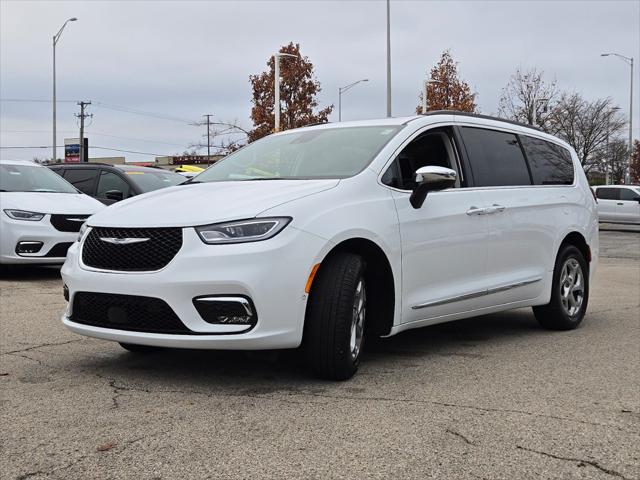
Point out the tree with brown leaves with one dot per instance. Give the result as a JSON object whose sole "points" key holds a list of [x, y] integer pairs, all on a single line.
{"points": [[448, 91], [634, 167], [298, 90]]}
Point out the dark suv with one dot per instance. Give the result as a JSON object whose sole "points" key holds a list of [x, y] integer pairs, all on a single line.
{"points": [[112, 183]]}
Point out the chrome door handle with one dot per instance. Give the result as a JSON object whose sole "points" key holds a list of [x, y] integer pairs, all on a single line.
{"points": [[476, 211], [495, 208]]}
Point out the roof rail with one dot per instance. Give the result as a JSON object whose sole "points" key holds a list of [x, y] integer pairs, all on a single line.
{"points": [[478, 115]]}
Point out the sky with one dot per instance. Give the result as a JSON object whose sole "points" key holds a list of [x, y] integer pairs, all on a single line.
{"points": [[179, 60]]}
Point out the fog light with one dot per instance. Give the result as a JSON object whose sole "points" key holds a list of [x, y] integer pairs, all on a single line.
{"points": [[226, 310], [28, 247]]}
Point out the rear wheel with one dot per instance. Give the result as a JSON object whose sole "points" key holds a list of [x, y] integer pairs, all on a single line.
{"points": [[569, 294], [134, 348], [335, 319]]}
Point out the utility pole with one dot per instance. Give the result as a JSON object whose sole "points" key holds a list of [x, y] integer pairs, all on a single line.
{"points": [[82, 116], [208, 115], [388, 60]]}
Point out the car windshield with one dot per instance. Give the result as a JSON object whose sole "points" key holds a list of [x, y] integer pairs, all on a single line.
{"points": [[27, 178], [311, 154], [149, 180]]}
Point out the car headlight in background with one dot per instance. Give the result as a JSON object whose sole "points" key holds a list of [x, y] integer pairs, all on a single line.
{"points": [[242, 231], [24, 215], [83, 228]]}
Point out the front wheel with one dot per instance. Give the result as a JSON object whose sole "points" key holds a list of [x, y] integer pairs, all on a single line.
{"points": [[569, 294], [335, 319]]}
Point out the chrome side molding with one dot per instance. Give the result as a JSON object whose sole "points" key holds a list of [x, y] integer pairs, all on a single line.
{"points": [[481, 293]]}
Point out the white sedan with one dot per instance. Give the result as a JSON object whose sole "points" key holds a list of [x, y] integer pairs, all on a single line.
{"points": [[41, 214], [618, 203]]}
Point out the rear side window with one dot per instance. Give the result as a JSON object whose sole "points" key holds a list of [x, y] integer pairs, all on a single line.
{"points": [[84, 179], [550, 163], [496, 158], [604, 193]]}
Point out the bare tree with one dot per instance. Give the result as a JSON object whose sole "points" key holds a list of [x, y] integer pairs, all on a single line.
{"points": [[528, 98], [224, 137], [586, 125], [613, 156]]}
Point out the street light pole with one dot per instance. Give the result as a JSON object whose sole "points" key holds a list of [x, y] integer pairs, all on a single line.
{"points": [[276, 86], [628, 61], [344, 89], [607, 163], [56, 37], [388, 59]]}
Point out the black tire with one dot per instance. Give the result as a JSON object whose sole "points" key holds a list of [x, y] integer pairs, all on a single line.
{"points": [[134, 348], [555, 315], [330, 312]]}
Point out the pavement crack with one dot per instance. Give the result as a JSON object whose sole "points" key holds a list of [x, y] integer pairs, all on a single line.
{"points": [[459, 435], [578, 461], [35, 347]]}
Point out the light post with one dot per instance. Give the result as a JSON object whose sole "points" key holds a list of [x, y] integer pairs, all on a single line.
{"points": [[534, 115], [425, 93], [56, 37], [344, 89], [628, 61], [388, 59], [276, 86]]}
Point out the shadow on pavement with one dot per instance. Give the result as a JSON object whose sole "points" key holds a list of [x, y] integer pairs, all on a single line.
{"points": [[270, 371], [29, 272]]}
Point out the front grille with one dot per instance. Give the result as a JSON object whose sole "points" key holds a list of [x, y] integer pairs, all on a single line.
{"points": [[59, 250], [157, 249], [68, 223], [126, 312]]}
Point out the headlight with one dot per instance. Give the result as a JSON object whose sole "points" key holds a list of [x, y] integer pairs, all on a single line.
{"points": [[24, 215], [83, 228], [242, 231]]}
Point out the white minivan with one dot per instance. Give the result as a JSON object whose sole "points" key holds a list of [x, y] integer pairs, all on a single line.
{"points": [[322, 236]]}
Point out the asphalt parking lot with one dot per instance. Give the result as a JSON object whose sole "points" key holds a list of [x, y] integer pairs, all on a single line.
{"points": [[494, 397]]}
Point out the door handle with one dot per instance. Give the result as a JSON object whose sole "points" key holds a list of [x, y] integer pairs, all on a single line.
{"points": [[476, 211], [495, 208], [620, 203]]}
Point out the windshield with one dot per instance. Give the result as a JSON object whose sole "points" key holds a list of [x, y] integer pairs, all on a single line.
{"points": [[27, 178], [148, 180], [321, 153]]}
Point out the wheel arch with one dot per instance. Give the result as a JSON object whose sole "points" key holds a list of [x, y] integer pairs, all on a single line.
{"points": [[577, 240], [379, 278]]}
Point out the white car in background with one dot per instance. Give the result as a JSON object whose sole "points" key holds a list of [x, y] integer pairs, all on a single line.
{"points": [[41, 214], [618, 203]]}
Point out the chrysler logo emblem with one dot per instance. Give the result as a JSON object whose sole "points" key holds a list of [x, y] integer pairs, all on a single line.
{"points": [[123, 241]]}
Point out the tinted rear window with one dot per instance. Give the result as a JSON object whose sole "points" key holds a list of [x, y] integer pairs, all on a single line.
{"points": [[604, 193], [496, 158], [84, 179], [550, 164]]}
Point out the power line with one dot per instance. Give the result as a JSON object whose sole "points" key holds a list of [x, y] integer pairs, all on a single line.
{"points": [[91, 132], [33, 100], [92, 146]]}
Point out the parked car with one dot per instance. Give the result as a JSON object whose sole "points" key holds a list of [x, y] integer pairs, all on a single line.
{"points": [[41, 214], [321, 236], [112, 183], [618, 203]]}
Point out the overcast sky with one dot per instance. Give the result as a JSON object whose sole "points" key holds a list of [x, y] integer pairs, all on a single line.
{"points": [[184, 59]]}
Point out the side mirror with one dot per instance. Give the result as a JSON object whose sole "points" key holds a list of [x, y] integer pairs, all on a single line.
{"points": [[431, 179], [116, 195]]}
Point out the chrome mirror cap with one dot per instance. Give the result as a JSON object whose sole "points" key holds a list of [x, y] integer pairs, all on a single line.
{"points": [[432, 174]]}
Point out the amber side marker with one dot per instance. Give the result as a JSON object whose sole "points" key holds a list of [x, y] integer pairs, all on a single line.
{"points": [[314, 270]]}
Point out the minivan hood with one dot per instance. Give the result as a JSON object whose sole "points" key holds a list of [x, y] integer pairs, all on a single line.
{"points": [[203, 203], [54, 203]]}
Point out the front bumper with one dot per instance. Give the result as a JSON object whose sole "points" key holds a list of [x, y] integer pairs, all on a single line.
{"points": [[272, 273], [14, 231]]}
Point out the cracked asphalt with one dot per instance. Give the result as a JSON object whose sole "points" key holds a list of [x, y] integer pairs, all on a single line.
{"points": [[494, 397]]}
